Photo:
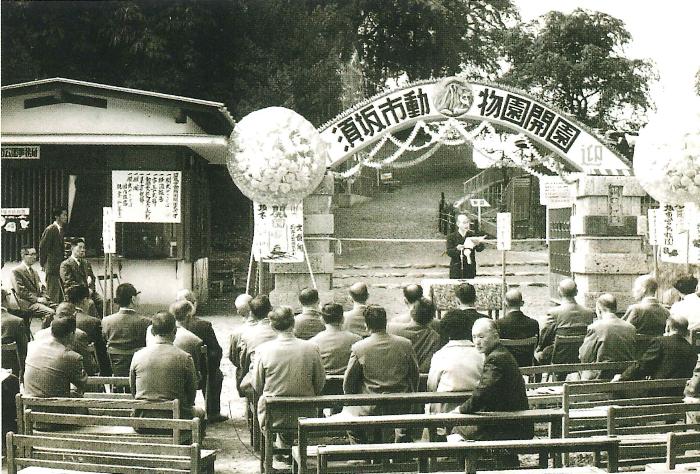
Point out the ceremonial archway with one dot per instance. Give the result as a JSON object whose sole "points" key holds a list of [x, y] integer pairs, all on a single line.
{"points": [[498, 120]]}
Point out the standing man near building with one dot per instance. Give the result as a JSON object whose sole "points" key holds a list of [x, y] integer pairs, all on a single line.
{"points": [[204, 330], [77, 271], [27, 286], [354, 320], [51, 250], [308, 323], [462, 246]]}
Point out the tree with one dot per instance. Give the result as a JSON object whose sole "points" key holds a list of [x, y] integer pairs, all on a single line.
{"points": [[576, 62]]}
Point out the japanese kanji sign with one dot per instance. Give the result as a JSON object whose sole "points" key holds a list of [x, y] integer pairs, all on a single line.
{"points": [[12, 152], [14, 219], [672, 239], [503, 231], [555, 193], [146, 196], [279, 233], [361, 126], [109, 239]]}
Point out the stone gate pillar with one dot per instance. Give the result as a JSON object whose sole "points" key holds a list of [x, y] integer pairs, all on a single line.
{"points": [[607, 206], [290, 278]]}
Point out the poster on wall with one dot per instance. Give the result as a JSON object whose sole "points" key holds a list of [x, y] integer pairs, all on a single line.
{"points": [[672, 234], [14, 219], [555, 193], [147, 196], [279, 233]]}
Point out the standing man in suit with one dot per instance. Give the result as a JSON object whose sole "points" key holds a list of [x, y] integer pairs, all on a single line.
{"points": [[124, 331], [462, 250], [76, 271], [569, 318], [308, 323], [609, 339], [380, 363], [51, 250], [515, 325], [215, 378], [27, 286], [647, 315], [354, 320], [465, 313], [501, 388]]}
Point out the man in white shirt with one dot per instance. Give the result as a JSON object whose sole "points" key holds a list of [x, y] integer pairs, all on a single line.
{"points": [[689, 306]]}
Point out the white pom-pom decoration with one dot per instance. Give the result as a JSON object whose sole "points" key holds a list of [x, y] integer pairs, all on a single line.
{"points": [[276, 156]]}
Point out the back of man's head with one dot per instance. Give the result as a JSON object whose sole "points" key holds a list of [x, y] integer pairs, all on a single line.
{"points": [[678, 324], [65, 310], [242, 304], [125, 293], [181, 309], [567, 288], [282, 318], [358, 292], [645, 285], [466, 293], [375, 318], [607, 302], [76, 294], [308, 297], [452, 324], [332, 313], [514, 298], [62, 327], [686, 284], [260, 306], [163, 324], [185, 294], [423, 311], [412, 293]]}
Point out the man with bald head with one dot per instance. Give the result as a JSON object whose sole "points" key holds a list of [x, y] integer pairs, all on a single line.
{"points": [[204, 330], [501, 388], [243, 310], [608, 339], [647, 315], [354, 320], [516, 325], [567, 319]]}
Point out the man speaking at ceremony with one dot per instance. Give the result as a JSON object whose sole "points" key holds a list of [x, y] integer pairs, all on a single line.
{"points": [[462, 246]]}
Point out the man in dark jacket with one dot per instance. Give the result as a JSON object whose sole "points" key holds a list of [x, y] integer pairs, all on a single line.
{"points": [[501, 388], [465, 312], [515, 325], [462, 248], [51, 250]]}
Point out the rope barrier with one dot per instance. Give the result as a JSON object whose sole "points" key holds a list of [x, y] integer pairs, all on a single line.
{"points": [[424, 241]]}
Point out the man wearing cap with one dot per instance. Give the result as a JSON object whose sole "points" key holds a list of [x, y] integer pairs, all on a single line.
{"points": [[124, 331], [515, 325], [76, 271]]}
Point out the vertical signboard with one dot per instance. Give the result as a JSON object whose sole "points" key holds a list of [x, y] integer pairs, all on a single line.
{"points": [[503, 229], [109, 240], [147, 196], [279, 233], [672, 239]]}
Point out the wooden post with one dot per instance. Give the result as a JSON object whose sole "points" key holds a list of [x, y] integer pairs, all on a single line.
{"points": [[104, 286]]}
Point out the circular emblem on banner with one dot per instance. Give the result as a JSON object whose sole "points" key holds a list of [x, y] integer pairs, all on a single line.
{"points": [[453, 97]]}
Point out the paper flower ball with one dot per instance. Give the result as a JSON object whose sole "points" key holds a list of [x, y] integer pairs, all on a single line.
{"points": [[276, 156], [667, 156]]}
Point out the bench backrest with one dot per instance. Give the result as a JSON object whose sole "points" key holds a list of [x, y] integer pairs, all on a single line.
{"points": [[577, 367], [94, 406], [31, 419], [676, 447], [114, 456], [627, 420], [113, 382]]}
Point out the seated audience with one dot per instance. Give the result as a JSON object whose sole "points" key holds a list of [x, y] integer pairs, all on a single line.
{"points": [[689, 306], [355, 319], [184, 339], [161, 372], [31, 295], [13, 330], [251, 338], [411, 295], [667, 357], [286, 366], [76, 270], [334, 343], [501, 388], [52, 366], [425, 340], [458, 365], [243, 310], [466, 311], [609, 339], [380, 363], [648, 316], [308, 323], [215, 378], [124, 331], [515, 325], [569, 318], [78, 296]]}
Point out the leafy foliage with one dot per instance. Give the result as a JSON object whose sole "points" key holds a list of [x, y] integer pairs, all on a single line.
{"points": [[576, 62]]}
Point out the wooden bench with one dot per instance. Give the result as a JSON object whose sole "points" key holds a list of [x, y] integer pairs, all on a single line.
{"points": [[677, 444], [532, 372], [309, 427], [643, 430], [93, 406], [585, 404], [111, 382], [114, 456], [111, 427], [470, 451]]}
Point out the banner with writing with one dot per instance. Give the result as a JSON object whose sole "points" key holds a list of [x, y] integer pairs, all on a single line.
{"points": [[671, 235], [146, 196], [279, 233]]}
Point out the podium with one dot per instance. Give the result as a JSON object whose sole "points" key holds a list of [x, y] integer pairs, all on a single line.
{"points": [[489, 294]]}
